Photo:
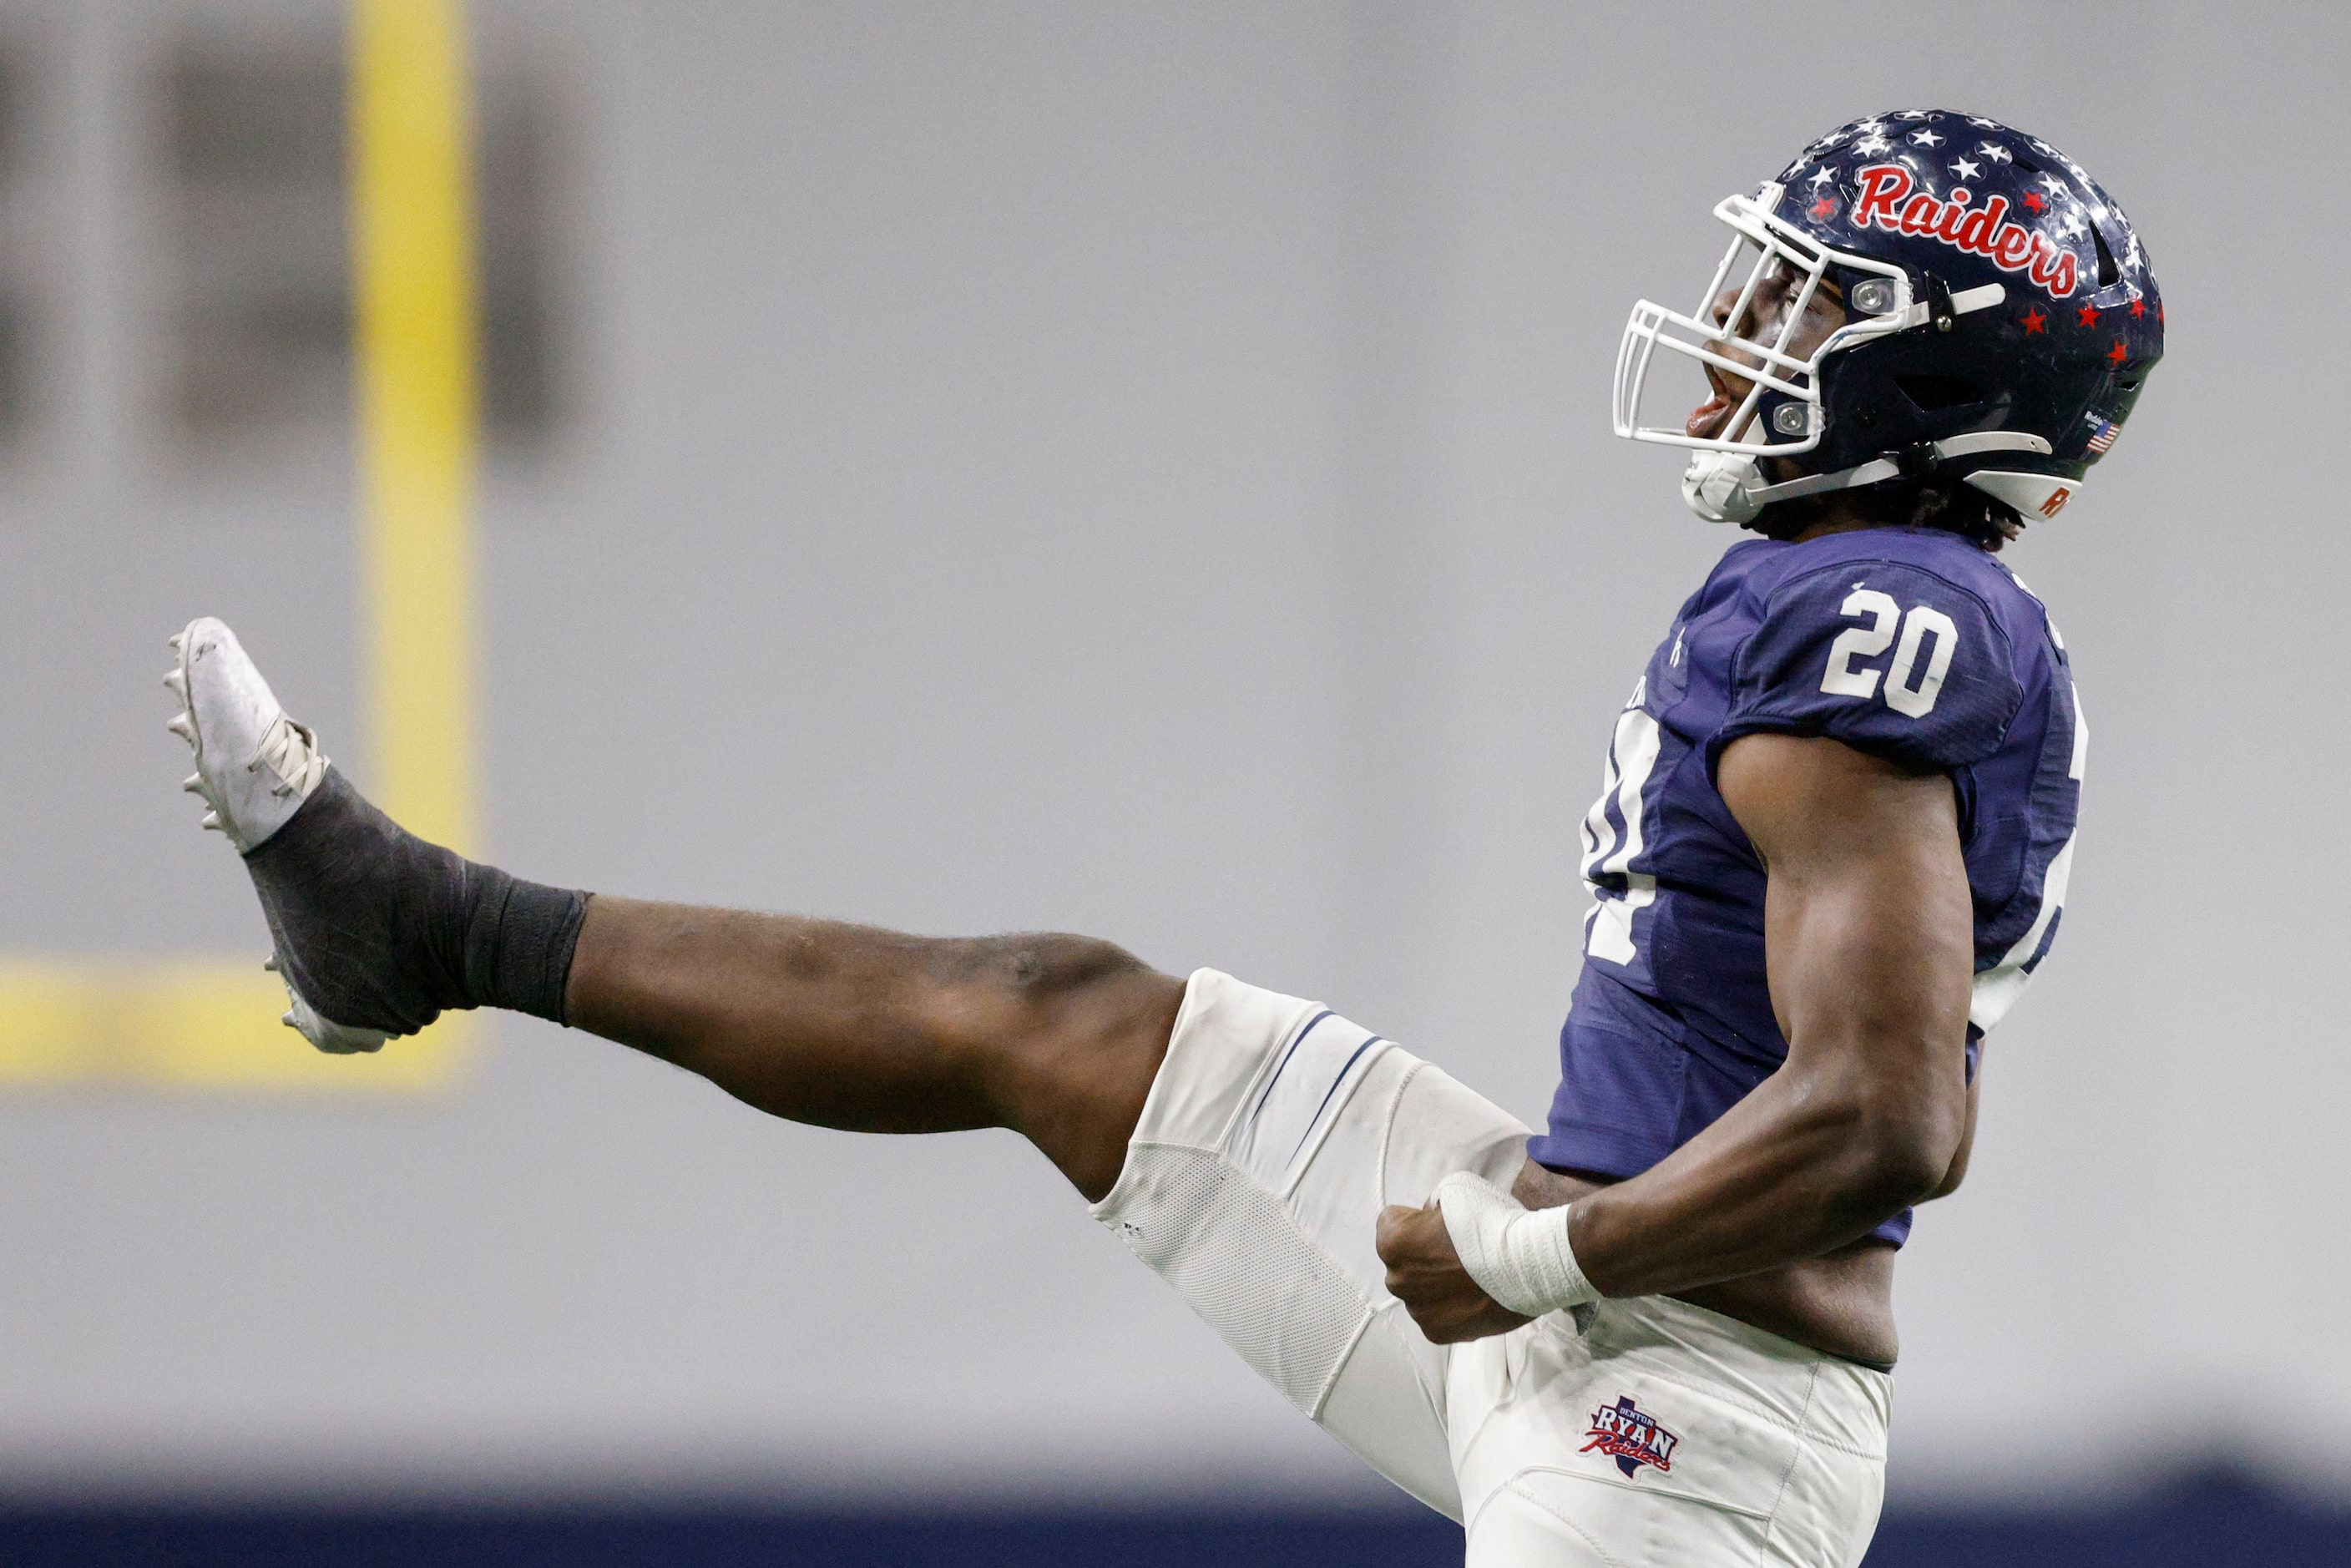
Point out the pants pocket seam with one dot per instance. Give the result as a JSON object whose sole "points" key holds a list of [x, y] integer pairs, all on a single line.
{"points": [[1811, 1387]]}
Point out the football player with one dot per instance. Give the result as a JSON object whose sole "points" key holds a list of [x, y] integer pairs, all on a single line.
{"points": [[1830, 850]]}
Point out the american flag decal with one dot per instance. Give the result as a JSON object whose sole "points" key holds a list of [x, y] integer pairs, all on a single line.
{"points": [[2102, 434]]}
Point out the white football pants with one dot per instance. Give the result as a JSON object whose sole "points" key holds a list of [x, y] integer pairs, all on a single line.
{"points": [[1632, 1433]]}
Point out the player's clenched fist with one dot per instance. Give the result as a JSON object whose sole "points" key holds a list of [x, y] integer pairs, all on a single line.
{"points": [[1424, 1274]]}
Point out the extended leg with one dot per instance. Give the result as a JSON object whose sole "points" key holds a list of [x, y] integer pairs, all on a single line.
{"points": [[1057, 1038], [1240, 1142], [377, 932]]}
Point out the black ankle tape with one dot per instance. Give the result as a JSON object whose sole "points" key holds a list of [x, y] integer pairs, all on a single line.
{"points": [[518, 943], [379, 929]]}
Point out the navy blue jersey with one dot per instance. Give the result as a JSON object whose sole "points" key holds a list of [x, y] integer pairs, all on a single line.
{"points": [[1910, 644]]}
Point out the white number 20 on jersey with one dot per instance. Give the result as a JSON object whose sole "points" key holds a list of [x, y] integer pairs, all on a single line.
{"points": [[1924, 621]]}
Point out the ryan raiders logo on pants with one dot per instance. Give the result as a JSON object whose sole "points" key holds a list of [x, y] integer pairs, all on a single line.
{"points": [[1631, 1437]]}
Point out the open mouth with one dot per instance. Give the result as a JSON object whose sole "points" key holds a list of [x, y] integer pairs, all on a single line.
{"points": [[1706, 420]]}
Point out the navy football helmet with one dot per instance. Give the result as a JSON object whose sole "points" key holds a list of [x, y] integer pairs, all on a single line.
{"points": [[1925, 294]]}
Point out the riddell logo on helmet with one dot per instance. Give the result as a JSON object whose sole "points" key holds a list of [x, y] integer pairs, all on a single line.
{"points": [[1885, 200]]}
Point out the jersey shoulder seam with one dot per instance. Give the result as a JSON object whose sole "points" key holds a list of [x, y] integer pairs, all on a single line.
{"points": [[1847, 563]]}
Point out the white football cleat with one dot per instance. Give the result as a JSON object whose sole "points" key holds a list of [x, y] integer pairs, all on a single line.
{"points": [[255, 767]]}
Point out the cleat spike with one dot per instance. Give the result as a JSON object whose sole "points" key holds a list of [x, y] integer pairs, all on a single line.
{"points": [[184, 726], [270, 963], [212, 821], [194, 784], [177, 682], [287, 1018], [172, 641]]}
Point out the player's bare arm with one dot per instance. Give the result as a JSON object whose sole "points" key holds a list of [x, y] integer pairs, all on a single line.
{"points": [[1870, 956], [1867, 940]]}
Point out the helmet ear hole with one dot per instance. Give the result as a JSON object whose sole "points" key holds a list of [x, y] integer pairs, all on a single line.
{"points": [[2108, 273]]}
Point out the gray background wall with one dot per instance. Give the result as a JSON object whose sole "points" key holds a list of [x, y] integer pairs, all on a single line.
{"points": [[1143, 470]]}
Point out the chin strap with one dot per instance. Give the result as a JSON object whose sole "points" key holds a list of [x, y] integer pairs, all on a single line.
{"points": [[1722, 487]]}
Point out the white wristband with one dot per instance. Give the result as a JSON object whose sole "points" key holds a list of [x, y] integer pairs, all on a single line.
{"points": [[1519, 1255]]}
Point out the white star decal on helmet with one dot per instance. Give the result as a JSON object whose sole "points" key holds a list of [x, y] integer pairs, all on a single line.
{"points": [[1967, 170], [1925, 138], [1996, 152]]}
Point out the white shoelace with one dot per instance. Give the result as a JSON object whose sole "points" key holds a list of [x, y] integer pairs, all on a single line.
{"points": [[291, 751]]}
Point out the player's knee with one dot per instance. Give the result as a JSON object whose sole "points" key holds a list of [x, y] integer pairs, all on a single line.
{"points": [[1009, 989], [1047, 970], [1064, 1035]]}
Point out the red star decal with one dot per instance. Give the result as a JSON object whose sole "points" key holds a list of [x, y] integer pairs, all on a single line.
{"points": [[2118, 353], [1824, 208], [2087, 316], [2034, 320], [2032, 199], [2138, 309]]}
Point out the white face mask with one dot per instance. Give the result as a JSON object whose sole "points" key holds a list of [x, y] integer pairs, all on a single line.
{"points": [[1724, 483], [1779, 259]]}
